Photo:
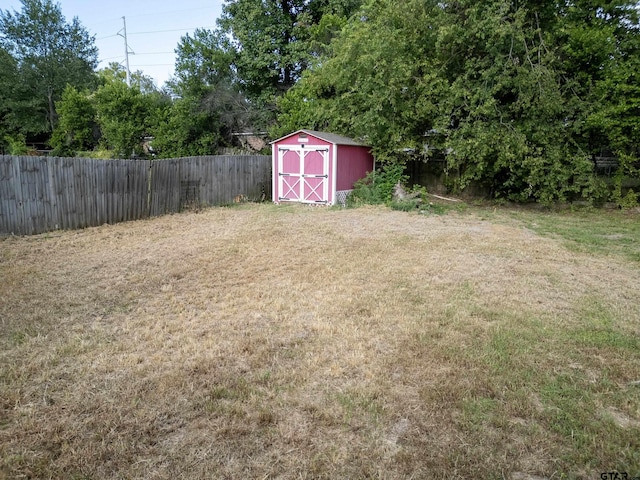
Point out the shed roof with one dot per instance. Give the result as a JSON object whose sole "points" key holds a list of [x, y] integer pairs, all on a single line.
{"points": [[327, 137]]}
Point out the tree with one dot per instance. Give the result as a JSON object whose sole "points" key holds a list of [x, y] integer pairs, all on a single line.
{"points": [[203, 60], [8, 81], [125, 116], [616, 124], [510, 110], [76, 129], [273, 42], [185, 129], [266, 37], [519, 95], [50, 53], [208, 105], [325, 19], [385, 95], [116, 72], [22, 113]]}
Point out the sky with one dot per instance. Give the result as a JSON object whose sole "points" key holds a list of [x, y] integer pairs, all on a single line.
{"points": [[154, 28]]}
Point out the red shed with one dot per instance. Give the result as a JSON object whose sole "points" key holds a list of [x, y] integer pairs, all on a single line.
{"points": [[317, 167]]}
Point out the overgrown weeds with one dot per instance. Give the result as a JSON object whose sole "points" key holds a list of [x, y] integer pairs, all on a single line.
{"points": [[377, 187], [380, 188]]}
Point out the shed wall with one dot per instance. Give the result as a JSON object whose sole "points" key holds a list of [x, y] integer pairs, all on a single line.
{"points": [[353, 164]]}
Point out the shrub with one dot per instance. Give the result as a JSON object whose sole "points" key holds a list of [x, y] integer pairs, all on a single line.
{"points": [[377, 187], [405, 205], [16, 145], [630, 200]]}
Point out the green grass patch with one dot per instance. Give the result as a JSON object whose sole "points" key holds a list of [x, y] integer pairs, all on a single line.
{"points": [[480, 411], [360, 406], [20, 336], [605, 338], [603, 232], [600, 328], [571, 413], [564, 380], [577, 413], [408, 205]]}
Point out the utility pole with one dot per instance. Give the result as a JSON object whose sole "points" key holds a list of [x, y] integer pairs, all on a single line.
{"points": [[126, 50]]}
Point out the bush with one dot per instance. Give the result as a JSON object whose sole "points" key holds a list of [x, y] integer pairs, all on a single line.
{"points": [[406, 205], [16, 144], [630, 200], [377, 187], [626, 176]]}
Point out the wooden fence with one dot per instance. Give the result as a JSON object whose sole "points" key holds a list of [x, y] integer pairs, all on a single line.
{"points": [[40, 194]]}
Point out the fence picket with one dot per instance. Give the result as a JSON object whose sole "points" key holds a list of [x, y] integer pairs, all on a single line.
{"points": [[27, 193], [92, 194], [5, 202], [57, 190]]}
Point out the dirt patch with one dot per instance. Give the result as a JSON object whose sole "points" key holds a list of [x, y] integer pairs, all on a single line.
{"points": [[620, 418]]}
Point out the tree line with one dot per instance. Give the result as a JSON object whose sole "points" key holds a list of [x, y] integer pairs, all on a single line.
{"points": [[227, 80], [518, 96]]}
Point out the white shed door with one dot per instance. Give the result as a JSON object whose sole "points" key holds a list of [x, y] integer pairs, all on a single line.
{"points": [[303, 174]]}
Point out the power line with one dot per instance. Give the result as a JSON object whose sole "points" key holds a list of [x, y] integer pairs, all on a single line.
{"points": [[124, 33], [150, 14], [137, 55], [170, 12], [155, 65], [153, 53], [172, 30]]}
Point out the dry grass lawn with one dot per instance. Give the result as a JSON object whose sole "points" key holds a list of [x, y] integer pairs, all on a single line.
{"points": [[292, 342]]}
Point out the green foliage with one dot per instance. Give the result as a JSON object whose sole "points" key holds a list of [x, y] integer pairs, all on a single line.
{"points": [[377, 187], [630, 200], [273, 43], [267, 37], [184, 129], [8, 84], [408, 205], [520, 96], [365, 192], [628, 168], [297, 109], [598, 192], [209, 105], [76, 129], [436, 208], [125, 117], [203, 60], [115, 72], [381, 96], [49, 53], [15, 145], [96, 153]]}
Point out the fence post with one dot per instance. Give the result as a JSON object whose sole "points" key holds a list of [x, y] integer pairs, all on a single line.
{"points": [[149, 188]]}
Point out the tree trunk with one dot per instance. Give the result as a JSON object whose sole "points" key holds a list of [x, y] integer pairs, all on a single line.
{"points": [[286, 10], [52, 110]]}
